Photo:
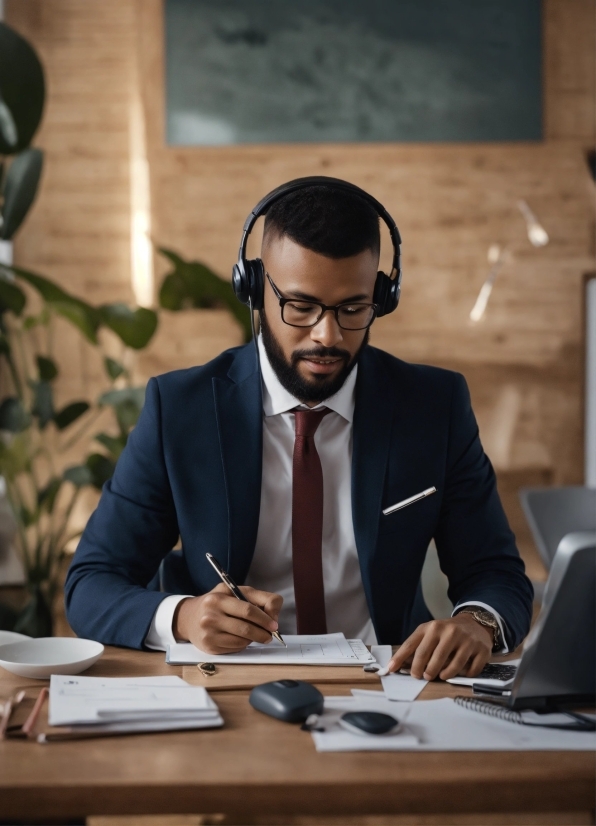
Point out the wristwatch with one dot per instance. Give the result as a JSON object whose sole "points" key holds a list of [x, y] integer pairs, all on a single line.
{"points": [[488, 620]]}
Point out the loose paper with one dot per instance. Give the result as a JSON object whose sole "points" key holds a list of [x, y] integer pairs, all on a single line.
{"points": [[440, 725], [302, 649]]}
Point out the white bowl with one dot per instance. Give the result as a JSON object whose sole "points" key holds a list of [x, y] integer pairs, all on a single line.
{"points": [[42, 657], [11, 636]]}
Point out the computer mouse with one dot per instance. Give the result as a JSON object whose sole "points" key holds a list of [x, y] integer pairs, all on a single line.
{"points": [[288, 700], [368, 722]]}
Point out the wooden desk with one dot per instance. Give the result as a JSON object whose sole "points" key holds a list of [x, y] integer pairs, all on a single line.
{"points": [[258, 766]]}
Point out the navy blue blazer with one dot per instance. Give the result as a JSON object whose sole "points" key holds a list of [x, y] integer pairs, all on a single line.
{"points": [[192, 470]]}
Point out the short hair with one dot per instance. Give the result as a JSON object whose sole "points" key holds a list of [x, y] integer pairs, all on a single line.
{"points": [[324, 219]]}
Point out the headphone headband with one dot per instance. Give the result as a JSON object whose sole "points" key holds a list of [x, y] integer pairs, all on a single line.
{"points": [[248, 275], [320, 180]]}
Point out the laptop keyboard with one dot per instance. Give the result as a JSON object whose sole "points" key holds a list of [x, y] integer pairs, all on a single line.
{"points": [[498, 671]]}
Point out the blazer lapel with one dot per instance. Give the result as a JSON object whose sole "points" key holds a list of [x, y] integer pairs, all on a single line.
{"points": [[374, 414], [239, 410]]}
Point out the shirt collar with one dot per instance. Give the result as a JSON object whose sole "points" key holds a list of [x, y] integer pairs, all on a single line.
{"points": [[276, 399]]}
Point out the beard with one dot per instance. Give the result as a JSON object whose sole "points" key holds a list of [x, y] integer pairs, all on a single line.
{"points": [[312, 390]]}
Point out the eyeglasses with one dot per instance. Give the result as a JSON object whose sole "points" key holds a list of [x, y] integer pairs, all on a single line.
{"points": [[349, 316]]}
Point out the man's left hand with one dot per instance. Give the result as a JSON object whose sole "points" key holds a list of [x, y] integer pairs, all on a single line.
{"points": [[445, 648]]}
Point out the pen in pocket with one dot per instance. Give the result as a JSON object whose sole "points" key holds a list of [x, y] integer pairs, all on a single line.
{"points": [[409, 501]]}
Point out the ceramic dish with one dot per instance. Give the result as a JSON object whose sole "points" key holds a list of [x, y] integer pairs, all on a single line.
{"points": [[12, 636], [40, 658]]}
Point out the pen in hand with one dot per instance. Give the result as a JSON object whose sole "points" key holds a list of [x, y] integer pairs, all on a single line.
{"points": [[227, 580]]}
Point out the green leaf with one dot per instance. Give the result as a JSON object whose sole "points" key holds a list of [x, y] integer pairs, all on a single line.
{"points": [[70, 414], [20, 189], [23, 88], [114, 444], [11, 297], [13, 416], [43, 402], [27, 517], [81, 316], [78, 475], [194, 285], [32, 321], [78, 312], [14, 456], [113, 368], [47, 496], [134, 327], [101, 469], [135, 395], [4, 345], [47, 368], [127, 404]]}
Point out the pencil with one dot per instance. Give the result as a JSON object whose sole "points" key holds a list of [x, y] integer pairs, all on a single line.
{"points": [[32, 718]]}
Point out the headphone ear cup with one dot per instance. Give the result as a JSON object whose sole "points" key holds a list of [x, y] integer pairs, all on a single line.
{"points": [[256, 275], [248, 278], [240, 283], [386, 294]]}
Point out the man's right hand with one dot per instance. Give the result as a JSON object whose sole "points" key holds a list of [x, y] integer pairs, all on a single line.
{"points": [[218, 623]]}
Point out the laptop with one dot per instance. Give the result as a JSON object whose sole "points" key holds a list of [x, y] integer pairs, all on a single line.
{"points": [[558, 664]]}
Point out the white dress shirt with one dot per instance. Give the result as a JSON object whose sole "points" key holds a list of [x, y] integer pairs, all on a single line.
{"points": [[271, 567]]}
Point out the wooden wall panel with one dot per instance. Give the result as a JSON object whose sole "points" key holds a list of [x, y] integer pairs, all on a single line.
{"points": [[451, 202]]}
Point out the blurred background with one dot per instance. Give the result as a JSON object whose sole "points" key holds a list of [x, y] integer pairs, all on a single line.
{"points": [[138, 134]]}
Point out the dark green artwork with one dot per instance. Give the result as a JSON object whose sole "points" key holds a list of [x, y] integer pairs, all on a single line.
{"points": [[275, 71]]}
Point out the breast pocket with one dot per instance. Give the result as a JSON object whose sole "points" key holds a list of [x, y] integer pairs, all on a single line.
{"points": [[417, 517]]}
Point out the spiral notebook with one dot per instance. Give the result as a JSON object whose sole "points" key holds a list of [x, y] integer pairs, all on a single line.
{"points": [[568, 720]]}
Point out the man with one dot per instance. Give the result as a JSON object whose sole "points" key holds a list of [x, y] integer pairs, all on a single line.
{"points": [[282, 473]]}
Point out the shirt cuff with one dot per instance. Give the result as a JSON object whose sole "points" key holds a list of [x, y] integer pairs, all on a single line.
{"points": [[160, 633], [504, 648]]}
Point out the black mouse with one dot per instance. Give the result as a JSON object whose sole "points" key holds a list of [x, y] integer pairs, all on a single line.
{"points": [[288, 700], [368, 722]]}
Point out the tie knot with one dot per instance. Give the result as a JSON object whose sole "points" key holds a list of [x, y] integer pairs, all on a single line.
{"points": [[307, 422]]}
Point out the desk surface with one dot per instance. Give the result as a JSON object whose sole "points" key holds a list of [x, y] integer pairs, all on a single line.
{"points": [[256, 765]]}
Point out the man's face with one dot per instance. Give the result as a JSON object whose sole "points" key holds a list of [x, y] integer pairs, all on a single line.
{"points": [[312, 363]]}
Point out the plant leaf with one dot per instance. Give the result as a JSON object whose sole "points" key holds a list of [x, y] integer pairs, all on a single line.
{"points": [[134, 327], [47, 496], [194, 285], [23, 88], [20, 189], [14, 456], [47, 368], [43, 402], [78, 312], [27, 517], [114, 444], [78, 475], [13, 416], [101, 469], [113, 368], [127, 404], [11, 297], [70, 414]]}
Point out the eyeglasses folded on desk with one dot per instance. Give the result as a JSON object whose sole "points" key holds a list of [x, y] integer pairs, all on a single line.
{"points": [[85, 707]]}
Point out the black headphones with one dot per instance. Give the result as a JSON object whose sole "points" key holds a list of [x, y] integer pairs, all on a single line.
{"points": [[248, 275]]}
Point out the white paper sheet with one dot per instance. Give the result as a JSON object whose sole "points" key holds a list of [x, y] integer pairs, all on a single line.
{"points": [[302, 649], [402, 687], [441, 725], [98, 701]]}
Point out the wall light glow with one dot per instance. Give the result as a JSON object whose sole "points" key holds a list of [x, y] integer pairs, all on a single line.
{"points": [[140, 209]]}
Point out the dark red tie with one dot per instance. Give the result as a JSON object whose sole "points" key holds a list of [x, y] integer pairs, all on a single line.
{"points": [[307, 525]]}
